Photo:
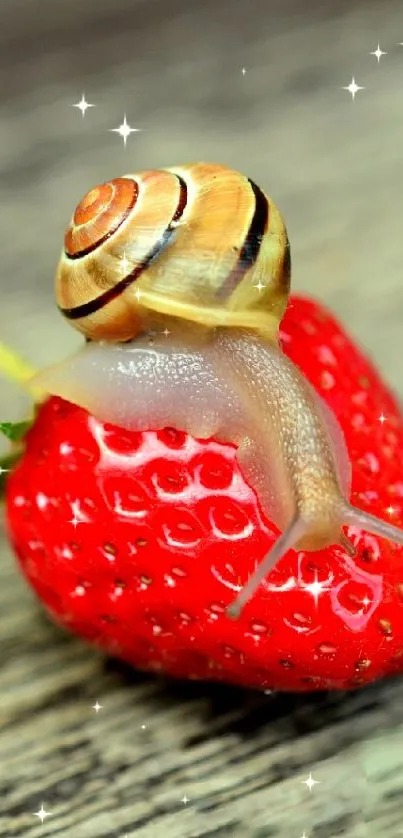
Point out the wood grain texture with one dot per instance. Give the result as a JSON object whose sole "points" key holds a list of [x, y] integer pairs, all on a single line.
{"points": [[334, 167]]}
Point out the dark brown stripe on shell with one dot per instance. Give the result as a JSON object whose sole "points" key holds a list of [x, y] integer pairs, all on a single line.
{"points": [[251, 246], [111, 294], [287, 261]]}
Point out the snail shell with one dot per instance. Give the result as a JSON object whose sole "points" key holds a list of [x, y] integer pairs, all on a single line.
{"points": [[198, 242]]}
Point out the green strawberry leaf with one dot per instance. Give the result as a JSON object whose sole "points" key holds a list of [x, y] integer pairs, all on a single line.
{"points": [[7, 463], [15, 431]]}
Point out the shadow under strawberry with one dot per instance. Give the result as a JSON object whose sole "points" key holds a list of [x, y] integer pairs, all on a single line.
{"points": [[219, 710]]}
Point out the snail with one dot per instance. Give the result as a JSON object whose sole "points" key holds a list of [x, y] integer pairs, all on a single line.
{"points": [[178, 279]]}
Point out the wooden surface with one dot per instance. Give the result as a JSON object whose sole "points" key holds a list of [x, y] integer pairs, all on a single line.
{"points": [[334, 166]]}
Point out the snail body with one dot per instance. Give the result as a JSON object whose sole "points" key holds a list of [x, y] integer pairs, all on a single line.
{"points": [[218, 371]]}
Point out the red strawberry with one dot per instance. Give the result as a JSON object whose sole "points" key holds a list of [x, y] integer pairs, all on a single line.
{"points": [[171, 530]]}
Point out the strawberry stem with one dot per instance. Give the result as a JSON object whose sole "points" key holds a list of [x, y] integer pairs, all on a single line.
{"points": [[18, 370], [14, 367]]}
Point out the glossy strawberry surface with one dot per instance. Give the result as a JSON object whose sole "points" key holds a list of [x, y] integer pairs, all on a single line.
{"points": [[137, 542]]}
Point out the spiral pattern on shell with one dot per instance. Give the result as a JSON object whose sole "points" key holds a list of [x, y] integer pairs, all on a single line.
{"points": [[200, 242]]}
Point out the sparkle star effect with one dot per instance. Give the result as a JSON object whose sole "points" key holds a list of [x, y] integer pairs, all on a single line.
{"points": [[316, 588], [125, 264], [381, 418], [185, 800], [97, 707], [310, 782], [353, 88], [78, 517], [378, 52], [243, 71], [391, 510], [83, 105], [125, 130], [42, 814], [259, 286]]}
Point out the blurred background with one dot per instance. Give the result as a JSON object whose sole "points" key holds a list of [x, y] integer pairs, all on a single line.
{"points": [[256, 85], [333, 165]]}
